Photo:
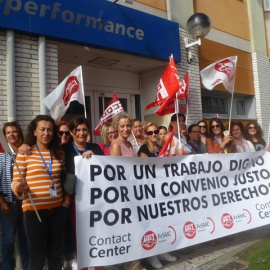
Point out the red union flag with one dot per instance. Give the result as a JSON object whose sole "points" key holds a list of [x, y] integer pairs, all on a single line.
{"points": [[168, 85], [114, 107], [222, 71], [168, 106], [165, 151], [70, 89]]}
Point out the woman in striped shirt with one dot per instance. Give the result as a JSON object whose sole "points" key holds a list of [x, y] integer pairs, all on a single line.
{"points": [[42, 170]]}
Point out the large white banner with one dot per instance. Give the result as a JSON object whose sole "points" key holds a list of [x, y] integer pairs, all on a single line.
{"points": [[131, 208]]}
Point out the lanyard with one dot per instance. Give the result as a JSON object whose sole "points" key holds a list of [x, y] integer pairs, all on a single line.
{"points": [[77, 151], [195, 145], [219, 143], [48, 169]]}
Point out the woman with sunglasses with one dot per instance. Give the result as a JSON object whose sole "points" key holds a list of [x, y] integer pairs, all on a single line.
{"points": [[240, 145], [194, 140], [108, 134], [150, 148], [64, 132], [254, 133], [204, 131], [217, 142]]}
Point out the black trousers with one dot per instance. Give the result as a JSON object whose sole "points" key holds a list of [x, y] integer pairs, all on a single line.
{"points": [[45, 237]]}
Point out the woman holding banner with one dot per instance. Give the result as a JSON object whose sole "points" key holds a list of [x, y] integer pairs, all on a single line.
{"points": [[240, 144], [79, 129], [194, 140], [204, 131], [217, 141], [11, 215], [41, 171], [150, 148], [122, 122], [254, 133]]}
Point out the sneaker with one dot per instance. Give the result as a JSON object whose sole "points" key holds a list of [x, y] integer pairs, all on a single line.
{"points": [[167, 257], [154, 262]]}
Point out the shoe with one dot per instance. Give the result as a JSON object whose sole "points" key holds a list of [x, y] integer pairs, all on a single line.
{"points": [[167, 257], [154, 262], [71, 264]]}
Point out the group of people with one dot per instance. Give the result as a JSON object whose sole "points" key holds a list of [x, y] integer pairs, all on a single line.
{"points": [[38, 173]]}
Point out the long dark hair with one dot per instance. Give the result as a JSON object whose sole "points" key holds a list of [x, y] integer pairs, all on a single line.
{"points": [[55, 143], [206, 127], [17, 126], [218, 120], [259, 133]]}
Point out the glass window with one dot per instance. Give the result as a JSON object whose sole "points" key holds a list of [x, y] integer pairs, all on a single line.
{"points": [[267, 5], [240, 107], [214, 105]]}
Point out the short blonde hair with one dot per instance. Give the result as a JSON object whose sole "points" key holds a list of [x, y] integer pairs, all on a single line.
{"points": [[104, 133], [119, 116]]}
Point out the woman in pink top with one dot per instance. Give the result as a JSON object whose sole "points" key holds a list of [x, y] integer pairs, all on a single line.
{"points": [[122, 122], [108, 134]]}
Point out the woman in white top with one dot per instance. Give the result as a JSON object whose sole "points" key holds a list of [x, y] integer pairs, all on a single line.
{"points": [[241, 145]]}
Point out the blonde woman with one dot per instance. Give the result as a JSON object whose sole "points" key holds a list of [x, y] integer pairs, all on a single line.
{"points": [[107, 135]]}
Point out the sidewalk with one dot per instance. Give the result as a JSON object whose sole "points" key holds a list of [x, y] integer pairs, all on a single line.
{"points": [[218, 254]]}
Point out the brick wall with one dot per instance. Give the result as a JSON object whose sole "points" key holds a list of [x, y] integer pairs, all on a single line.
{"points": [[26, 76], [195, 105], [261, 73]]}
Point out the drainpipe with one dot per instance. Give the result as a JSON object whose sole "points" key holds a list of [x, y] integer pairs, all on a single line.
{"points": [[10, 40], [42, 72]]}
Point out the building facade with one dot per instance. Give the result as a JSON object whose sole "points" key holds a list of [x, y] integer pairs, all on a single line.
{"points": [[123, 47]]}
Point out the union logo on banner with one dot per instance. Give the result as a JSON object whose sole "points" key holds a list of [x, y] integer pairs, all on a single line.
{"points": [[71, 87], [149, 240], [189, 230], [227, 221]]}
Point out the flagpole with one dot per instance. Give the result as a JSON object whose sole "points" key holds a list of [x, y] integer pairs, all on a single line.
{"points": [[177, 119], [83, 93], [268, 138], [230, 116]]}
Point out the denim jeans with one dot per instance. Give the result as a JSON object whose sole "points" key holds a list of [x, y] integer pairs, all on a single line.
{"points": [[45, 237], [10, 225]]}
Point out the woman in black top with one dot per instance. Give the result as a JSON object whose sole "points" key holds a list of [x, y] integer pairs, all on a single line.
{"points": [[150, 148], [254, 133]]}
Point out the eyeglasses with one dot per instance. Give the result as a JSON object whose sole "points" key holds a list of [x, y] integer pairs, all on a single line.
{"points": [[112, 133], [61, 133], [215, 126], [152, 132], [202, 126], [198, 132], [252, 128]]}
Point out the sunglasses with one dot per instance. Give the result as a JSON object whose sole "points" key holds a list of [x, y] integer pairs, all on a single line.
{"points": [[252, 128], [61, 133], [202, 126], [215, 126], [152, 132]]}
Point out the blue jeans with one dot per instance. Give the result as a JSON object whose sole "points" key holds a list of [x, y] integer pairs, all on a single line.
{"points": [[10, 224], [45, 237]]}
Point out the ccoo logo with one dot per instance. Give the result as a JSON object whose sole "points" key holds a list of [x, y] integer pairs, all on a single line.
{"points": [[189, 230], [149, 240], [227, 221]]}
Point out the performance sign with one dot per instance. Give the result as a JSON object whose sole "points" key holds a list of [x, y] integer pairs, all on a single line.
{"points": [[131, 208]]}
